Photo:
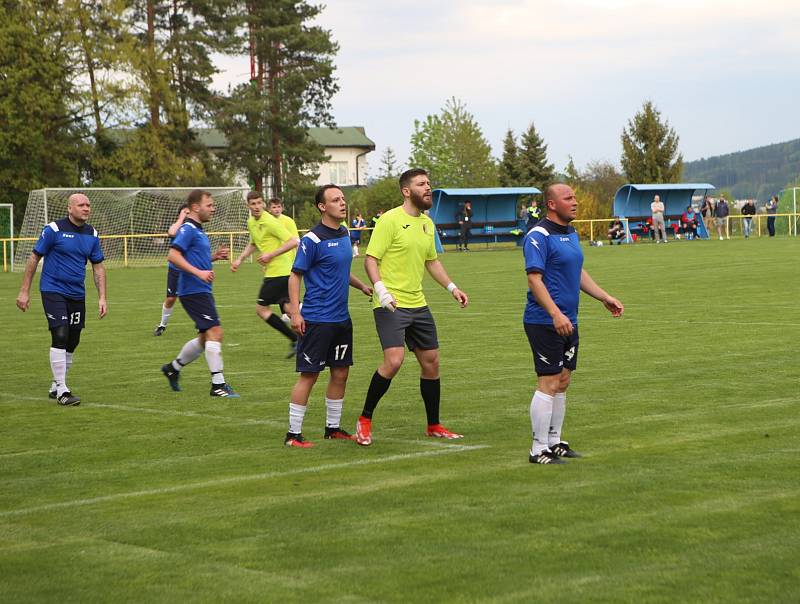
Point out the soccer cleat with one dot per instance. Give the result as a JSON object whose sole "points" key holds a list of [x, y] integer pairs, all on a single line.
{"points": [[546, 457], [159, 330], [172, 376], [337, 434], [68, 400], [297, 440], [562, 450], [223, 390], [439, 431], [292, 350], [364, 431]]}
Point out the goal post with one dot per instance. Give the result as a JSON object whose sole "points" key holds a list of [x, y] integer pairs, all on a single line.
{"points": [[7, 233], [133, 222]]}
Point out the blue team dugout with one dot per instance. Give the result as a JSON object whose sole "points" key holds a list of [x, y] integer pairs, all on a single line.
{"points": [[495, 213], [633, 201]]}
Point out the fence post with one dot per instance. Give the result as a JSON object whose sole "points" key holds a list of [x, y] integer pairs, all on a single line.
{"points": [[758, 224], [591, 230], [125, 251], [230, 247]]}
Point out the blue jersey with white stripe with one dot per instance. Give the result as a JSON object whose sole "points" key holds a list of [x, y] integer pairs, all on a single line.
{"points": [[66, 248], [192, 241], [554, 251], [323, 258]]}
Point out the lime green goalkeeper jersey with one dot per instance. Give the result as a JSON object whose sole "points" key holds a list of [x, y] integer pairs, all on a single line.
{"points": [[402, 244], [268, 233]]}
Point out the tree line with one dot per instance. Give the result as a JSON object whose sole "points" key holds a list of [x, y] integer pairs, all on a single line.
{"points": [[104, 93]]}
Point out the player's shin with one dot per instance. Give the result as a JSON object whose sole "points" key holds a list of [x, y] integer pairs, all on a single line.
{"points": [[377, 388], [214, 360], [58, 365], [557, 418], [541, 415], [431, 395]]}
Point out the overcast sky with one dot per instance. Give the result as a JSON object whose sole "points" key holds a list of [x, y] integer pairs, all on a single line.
{"points": [[726, 74]]}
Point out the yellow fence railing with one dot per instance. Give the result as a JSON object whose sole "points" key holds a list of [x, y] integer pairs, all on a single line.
{"points": [[733, 225]]}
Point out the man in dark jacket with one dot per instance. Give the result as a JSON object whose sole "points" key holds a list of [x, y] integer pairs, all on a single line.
{"points": [[464, 218], [748, 211]]}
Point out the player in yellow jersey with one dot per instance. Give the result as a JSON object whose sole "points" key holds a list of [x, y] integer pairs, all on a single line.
{"points": [[276, 244], [402, 247]]}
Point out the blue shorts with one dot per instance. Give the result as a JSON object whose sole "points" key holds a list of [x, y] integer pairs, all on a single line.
{"points": [[325, 345], [202, 310], [61, 310], [552, 352], [172, 282]]}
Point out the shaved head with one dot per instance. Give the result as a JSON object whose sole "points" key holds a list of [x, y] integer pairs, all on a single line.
{"points": [[561, 204], [78, 198]]}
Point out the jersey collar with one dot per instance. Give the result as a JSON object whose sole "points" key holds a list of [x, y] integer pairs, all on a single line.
{"points": [[195, 223]]}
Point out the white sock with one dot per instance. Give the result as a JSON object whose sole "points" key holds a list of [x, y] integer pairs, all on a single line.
{"points": [[58, 365], [296, 415], [333, 413], [53, 385], [285, 318], [541, 412], [355, 250], [214, 360], [557, 420], [166, 313], [190, 351]]}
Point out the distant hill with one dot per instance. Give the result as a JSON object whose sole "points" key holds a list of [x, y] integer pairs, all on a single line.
{"points": [[755, 173]]}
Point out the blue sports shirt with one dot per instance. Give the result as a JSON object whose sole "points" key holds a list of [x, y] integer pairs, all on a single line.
{"points": [[66, 248], [554, 251], [193, 243], [323, 258]]}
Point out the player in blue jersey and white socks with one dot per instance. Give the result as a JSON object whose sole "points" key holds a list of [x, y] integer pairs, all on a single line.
{"points": [[66, 245], [190, 253], [326, 331], [554, 263]]}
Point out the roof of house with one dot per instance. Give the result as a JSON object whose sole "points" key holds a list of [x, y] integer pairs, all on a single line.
{"points": [[346, 136]]}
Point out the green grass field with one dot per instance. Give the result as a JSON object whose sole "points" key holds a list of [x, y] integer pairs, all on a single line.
{"points": [[686, 410]]}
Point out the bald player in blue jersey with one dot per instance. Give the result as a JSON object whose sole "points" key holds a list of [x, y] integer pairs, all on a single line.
{"points": [[66, 245], [554, 263], [326, 331]]}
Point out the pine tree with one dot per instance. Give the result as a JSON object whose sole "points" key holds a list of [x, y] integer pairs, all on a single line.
{"points": [[533, 167], [650, 148], [509, 165], [389, 166], [571, 175], [451, 146]]}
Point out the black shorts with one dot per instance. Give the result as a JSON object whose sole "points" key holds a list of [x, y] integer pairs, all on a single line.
{"points": [[413, 327], [202, 310], [274, 290], [325, 345], [61, 310], [172, 282], [552, 352]]}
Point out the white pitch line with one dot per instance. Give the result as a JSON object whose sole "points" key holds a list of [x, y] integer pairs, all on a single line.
{"points": [[224, 418], [234, 480]]}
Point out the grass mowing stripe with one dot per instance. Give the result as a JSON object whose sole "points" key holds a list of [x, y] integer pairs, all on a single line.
{"points": [[236, 479]]}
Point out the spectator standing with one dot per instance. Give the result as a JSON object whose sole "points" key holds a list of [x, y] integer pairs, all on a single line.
{"points": [[721, 213], [707, 210], [657, 212], [357, 224], [464, 218], [534, 214], [748, 211], [772, 209]]}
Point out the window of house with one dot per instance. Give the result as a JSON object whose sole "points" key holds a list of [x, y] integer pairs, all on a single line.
{"points": [[338, 172]]}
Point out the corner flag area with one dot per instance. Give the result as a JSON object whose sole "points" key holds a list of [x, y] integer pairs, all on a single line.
{"points": [[685, 409]]}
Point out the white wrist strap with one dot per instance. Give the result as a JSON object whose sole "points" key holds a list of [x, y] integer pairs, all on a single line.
{"points": [[451, 286]]}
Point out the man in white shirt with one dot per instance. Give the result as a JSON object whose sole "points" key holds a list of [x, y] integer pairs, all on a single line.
{"points": [[659, 228]]}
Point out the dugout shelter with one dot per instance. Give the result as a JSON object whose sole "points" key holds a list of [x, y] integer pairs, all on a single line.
{"points": [[632, 201], [494, 213]]}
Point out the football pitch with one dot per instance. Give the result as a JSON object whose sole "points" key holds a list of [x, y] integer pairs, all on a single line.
{"points": [[686, 411]]}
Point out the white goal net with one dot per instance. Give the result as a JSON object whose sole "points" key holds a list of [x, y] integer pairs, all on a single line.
{"points": [[133, 223]]}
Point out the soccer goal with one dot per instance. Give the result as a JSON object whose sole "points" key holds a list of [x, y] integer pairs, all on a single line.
{"points": [[133, 222]]}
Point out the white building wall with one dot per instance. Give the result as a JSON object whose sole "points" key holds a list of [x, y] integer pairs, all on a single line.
{"points": [[340, 169]]}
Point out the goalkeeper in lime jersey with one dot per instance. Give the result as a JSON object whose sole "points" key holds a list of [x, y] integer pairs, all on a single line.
{"points": [[401, 249]]}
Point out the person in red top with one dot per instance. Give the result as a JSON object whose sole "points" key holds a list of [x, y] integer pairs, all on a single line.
{"points": [[689, 223]]}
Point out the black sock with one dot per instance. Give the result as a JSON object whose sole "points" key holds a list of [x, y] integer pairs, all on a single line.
{"points": [[431, 393], [377, 388], [275, 322]]}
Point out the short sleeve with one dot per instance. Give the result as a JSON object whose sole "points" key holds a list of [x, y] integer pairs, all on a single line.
{"points": [[535, 250], [277, 230], [46, 241], [306, 255], [381, 238], [183, 240], [96, 256], [431, 253]]}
